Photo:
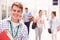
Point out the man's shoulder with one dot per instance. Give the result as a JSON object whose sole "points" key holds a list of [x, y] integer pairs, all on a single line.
{"points": [[4, 24], [5, 20]]}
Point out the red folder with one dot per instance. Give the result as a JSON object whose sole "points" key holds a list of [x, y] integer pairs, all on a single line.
{"points": [[3, 36]]}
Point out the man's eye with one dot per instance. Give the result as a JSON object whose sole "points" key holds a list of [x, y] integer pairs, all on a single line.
{"points": [[18, 11], [14, 10]]}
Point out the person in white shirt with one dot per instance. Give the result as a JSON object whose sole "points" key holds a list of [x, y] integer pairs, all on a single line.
{"points": [[54, 25], [14, 25], [39, 22]]}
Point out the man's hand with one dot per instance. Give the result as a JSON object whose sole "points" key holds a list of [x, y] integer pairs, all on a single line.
{"points": [[30, 18]]}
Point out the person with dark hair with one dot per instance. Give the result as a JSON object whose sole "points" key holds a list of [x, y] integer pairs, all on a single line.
{"points": [[53, 25], [54, 13], [27, 18], [13, 24], [38, 25]]}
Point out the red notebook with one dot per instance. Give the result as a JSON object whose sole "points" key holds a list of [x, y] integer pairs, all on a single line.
{"points": [[3, 36]]}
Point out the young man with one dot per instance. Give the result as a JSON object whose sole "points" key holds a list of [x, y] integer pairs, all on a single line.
{"points": [[27, 18], [13, 24]]}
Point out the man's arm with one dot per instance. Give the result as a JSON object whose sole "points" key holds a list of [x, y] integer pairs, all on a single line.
{"points": [[0, 26]]}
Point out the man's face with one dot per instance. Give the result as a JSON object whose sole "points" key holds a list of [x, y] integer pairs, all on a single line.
{"points": [[16, 12], [26, 10]]}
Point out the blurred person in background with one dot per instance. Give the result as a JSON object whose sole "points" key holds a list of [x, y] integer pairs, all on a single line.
{"points": [[38, 24], [27, 16], [54, 25]]}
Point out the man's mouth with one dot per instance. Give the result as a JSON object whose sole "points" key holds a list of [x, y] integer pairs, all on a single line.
{"points": [[16, 15]]}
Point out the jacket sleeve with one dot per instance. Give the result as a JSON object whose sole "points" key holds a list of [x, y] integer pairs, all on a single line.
{"points": [[25, 33], [0, 26]]}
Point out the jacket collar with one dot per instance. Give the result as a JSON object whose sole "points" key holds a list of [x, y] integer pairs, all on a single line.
{"points": [[9, 20]]}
